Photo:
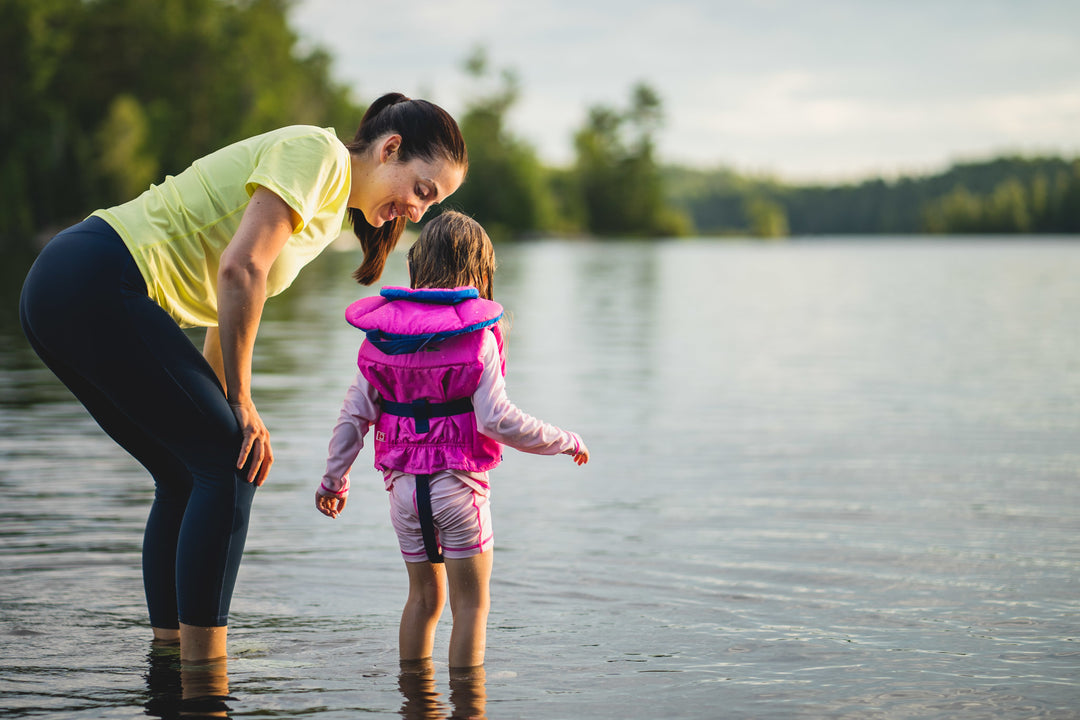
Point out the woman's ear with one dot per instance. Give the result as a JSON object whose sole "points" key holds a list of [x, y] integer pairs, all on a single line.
{"points": [[389, 147]]}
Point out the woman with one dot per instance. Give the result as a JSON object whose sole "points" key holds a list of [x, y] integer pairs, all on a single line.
{"points": [[105, 301]]}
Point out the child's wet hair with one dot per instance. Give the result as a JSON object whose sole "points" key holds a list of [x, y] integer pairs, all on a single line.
{"points": [[453, 251]]}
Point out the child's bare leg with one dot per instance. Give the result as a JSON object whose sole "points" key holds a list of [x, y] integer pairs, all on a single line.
{"points": [[427, 594], [470, 600]]}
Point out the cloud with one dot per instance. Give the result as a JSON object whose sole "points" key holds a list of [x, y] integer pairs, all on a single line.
{"points": [[826, 87], [1049, 114]]}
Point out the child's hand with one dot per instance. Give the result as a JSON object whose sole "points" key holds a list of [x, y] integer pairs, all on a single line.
{"points": [[582, 455], [328, 504]]}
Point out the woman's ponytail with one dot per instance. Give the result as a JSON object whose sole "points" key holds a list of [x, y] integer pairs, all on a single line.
{"points": [[377, 244], [367, 130]]}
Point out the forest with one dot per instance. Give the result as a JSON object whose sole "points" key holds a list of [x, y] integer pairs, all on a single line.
{"points": [[1000, 195], [101, 98]]}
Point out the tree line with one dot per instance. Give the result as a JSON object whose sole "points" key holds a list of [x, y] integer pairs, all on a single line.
{"points": [[103, 97], [1003, 195]]}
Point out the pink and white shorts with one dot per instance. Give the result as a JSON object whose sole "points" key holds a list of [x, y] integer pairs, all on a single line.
{"points": [[462, 517]]}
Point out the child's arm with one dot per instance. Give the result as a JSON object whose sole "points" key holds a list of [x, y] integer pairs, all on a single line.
{"points": [[498, 418], [359, 410]]}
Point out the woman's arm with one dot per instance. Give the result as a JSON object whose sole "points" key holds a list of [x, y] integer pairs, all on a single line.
{"points": [[212, 353], [265, 228]]}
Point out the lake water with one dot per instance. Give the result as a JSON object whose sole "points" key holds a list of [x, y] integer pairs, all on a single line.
{"points": [[829, 479]]}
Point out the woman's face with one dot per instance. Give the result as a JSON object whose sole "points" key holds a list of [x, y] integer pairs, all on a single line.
{"points": [[406, 189]]}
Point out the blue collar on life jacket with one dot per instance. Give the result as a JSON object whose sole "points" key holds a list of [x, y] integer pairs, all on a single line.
{"points": [[436, 296], [397, 343]]}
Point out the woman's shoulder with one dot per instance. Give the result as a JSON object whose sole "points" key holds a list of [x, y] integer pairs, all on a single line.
{"points": [[295, 141], [303, 135], [300, 149], [326, 133]]}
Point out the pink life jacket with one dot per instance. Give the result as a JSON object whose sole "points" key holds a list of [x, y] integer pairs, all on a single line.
{"points": [[422, 354]]}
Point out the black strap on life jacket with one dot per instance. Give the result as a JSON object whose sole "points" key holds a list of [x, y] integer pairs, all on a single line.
{"points": [[427, 522], [422, 410]]}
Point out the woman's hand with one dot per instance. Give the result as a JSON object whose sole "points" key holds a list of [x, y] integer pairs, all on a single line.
{"points": [[256, 443], [329, 505]]}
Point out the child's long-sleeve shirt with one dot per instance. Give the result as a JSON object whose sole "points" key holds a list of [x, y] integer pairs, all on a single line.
{"points": [[496, 417]]}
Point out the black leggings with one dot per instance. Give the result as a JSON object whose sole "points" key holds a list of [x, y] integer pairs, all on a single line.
{"points": [[85, 310]]}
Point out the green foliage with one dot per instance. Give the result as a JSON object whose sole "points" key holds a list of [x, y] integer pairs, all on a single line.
{"points": [[722, 202], [1004, 195], [506, 189], [124, 158], [36, 36], [617, 175], [614, 189], [1011, 207], [104, 97], [767, 218]]}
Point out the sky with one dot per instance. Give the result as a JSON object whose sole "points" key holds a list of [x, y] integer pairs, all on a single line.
{"points": [[803, 90]]}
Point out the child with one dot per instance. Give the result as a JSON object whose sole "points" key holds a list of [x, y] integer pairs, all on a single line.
{"points": [[431, 382]]}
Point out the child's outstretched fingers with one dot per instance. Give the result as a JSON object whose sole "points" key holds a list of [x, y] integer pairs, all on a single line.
{"points": [[582, 455]]}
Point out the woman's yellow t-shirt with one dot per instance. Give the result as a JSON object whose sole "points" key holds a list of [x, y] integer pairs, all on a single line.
{"points": [[176, 231]]}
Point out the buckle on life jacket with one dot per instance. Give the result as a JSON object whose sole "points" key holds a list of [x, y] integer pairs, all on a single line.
{"points": [[421, 411]]}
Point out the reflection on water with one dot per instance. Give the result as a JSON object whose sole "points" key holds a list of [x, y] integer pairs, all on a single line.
{"points": [[417, 682], [468, 696], [189, 690], [829, 479]]}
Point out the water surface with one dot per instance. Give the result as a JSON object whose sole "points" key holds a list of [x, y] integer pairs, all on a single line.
{"points": [[830, 478]]}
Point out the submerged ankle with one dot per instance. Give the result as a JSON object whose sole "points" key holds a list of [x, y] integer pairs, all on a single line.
{"points": [[166, 636]]}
